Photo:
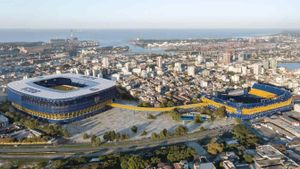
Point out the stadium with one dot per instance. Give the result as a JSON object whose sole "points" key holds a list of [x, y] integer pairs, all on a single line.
{"points": [[258, 101], [61, 98]]}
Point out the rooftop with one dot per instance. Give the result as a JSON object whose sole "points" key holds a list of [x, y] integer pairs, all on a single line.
{"points": [[81, 85]]}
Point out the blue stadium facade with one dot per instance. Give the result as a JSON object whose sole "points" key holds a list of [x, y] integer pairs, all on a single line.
{"points": [[261, 100], [61, 98]]}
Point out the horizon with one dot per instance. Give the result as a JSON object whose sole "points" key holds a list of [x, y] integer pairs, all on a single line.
{"points": [[155, 14]]}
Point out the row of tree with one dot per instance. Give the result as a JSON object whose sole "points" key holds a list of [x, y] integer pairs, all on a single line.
{"points": [[179, 131]]}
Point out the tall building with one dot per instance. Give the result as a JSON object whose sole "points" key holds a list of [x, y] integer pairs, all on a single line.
{"points": [[191, 71], [159, 62], [256, 69], [87, 72], [105, 62], [241, 57], [273, 63], [227, 57], [199, 60], [178, 67]]}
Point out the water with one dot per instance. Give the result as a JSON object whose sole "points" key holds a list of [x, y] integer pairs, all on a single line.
{"points": [[292, 66], [123, 36]]}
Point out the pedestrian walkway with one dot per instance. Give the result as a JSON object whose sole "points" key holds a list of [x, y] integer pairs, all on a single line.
{"points": [[156, 109]]}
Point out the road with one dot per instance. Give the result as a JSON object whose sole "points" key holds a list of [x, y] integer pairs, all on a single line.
{"points": [[50, 152]]}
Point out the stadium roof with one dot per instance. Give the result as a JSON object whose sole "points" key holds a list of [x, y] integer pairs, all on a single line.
{"points": [[93, 85]]}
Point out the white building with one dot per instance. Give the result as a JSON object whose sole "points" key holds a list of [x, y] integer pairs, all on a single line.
{"points": [[191, 71], [199, 60], [273, 63], [178, 67], [228, 165], [105, 62], [159, 62], [235, 78]]}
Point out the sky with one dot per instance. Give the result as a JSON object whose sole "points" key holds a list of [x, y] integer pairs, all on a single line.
{"points": [[149, 14]]}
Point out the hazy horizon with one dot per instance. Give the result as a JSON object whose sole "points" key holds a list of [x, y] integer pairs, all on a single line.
{"points": [[150, 14]]}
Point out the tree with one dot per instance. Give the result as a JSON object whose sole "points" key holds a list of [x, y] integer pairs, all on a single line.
{"points": [[245, 136], [144, 104], [221, 112], [155, 160], [57, 164], [175, 115], [96, 141], [239, 121], [170, 104], [214, 147], [134, 129], [144, 133], [181, 130], [133, 162], [194, 101], [109, 136], [150, 116], [198, 119], [86, 136], [248, 158], [65, 133], [154, 136], [42, 164], [163, 133]]}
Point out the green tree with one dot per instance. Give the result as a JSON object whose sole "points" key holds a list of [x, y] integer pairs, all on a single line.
{"points": [[144, 104], [65, 133], [154, 136], [134, 129], [181, 130], [221, 112], [163, 134], [155, 160], [144, 133], [248, 158], [194, 101], [86, 136], [57, 164], [133, 162], [150, 116], [245, 136], [198, 119], [170, 104], [214, 147], [175, 115]]}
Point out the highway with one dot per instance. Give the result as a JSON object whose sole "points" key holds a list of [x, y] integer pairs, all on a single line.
{"points": [[62, 151]]}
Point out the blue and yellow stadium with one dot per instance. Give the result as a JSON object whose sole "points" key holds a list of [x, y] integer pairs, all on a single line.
{"points": [[61, 98], [260, 100]]}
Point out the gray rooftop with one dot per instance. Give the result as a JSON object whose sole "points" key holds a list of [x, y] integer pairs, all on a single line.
{"points": [[93, 85]]}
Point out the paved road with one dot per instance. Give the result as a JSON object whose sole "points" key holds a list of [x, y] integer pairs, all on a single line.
{"points": [[67, 151]]}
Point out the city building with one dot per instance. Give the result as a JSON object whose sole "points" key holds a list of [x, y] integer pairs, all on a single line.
{"points": [[228, 165], [3, 121], [178, 67], [227, 58], [61, 98], [105, 62], [159, 62], [191, 71], [269, 157], [199, 60]]}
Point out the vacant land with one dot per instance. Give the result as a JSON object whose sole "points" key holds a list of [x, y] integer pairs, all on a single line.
{"points": [[121, 121]]}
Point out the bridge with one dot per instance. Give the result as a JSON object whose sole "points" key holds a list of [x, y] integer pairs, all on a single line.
{"points": [[155, 109]]}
